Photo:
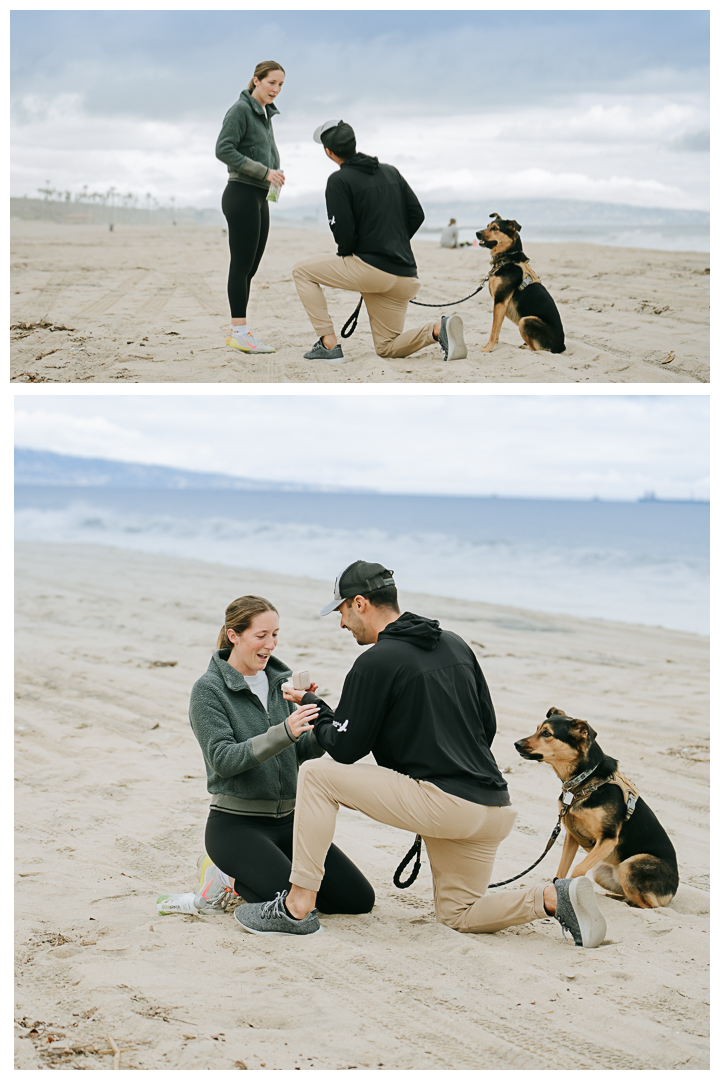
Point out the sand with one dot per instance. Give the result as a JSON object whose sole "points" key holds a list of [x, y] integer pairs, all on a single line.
{"points": [[111, 805], [145, 304]]}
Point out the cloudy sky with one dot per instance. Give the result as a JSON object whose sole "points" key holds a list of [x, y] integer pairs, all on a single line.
{"points": [[615, 447], [600, 105]]}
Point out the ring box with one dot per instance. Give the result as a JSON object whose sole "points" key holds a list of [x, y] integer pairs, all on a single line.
{"points": [[300, 681]]}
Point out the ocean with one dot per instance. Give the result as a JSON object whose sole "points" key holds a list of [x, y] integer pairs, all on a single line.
{"points": [[646, 237], [641, 562]]}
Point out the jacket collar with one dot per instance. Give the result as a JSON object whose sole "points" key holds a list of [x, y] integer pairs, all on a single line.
{"points": [[272, 109], [276, 671]]}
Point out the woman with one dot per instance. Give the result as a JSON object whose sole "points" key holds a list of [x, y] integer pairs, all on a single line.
{"points": [[253, 742], [247, 146]]}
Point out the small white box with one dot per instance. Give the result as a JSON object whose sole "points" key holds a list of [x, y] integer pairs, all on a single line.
{"points": [[301, 680]]}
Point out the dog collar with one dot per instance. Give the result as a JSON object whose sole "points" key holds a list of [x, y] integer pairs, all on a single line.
{"points": [[575, 780]]}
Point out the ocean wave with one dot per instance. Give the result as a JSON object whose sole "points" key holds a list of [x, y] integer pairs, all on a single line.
{"points": [[587, 581]]}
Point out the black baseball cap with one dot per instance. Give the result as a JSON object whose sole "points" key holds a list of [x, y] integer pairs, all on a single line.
{"points": [[336, 135], [358, 578]]}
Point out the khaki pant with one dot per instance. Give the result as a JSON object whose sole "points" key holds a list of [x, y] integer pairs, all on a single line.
{"points": [[461, 839], [386, 298]]}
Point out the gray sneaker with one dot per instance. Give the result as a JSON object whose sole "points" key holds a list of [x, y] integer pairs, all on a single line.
{"points": [[578, 913], [319, 352], [451, 338], [271, 918]]}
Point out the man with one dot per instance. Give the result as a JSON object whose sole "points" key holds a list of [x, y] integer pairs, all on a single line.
{"points": [[418, 701], [373, 213]]}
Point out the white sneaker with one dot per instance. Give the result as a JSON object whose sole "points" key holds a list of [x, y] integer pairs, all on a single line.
{"points": [[216, 894], [247, 343]]}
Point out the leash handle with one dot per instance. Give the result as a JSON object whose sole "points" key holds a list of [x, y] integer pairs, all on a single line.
{"points": [[352, 322], [414, 852]]}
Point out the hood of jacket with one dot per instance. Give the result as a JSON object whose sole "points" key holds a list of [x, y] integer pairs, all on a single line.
{"points": [[415, 629], [363, 162], [272, 109]]}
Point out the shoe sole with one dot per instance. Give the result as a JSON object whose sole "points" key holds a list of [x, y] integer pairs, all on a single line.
{"points": [[278, 933], [250, 352], [457, 349], [591, 921]]}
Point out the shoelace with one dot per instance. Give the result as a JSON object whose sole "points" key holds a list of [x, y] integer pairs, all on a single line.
{"points": [[271, 909], [225, 899]]}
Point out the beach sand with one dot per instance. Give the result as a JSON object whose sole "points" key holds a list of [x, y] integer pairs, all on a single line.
{"points": [[145, 304], [111, 806]]}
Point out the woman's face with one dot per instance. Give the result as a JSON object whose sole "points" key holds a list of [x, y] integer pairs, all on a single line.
{"points": [[252, 649], [267, 89]]}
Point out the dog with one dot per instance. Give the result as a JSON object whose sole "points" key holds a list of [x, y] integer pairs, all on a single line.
{"points": [[629, 852], [518, 292]]}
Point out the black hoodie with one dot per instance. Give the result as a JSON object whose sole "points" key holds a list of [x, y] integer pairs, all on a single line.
{"points": [[418, 701], [373, 212]]}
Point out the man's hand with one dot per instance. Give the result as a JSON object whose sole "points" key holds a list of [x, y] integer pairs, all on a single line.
{"points": [[301, 720], [274, 176], [296, 696]]}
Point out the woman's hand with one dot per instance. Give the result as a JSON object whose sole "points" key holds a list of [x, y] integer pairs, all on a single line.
{"points": [[296, 696], [274, 176], [301, 720]]}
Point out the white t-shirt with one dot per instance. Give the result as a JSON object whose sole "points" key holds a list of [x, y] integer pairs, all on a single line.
{"points": [[259, 686]]}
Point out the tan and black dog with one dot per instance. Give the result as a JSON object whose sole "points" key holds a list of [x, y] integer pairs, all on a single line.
{"points": [[629, 852], [518, 292]]}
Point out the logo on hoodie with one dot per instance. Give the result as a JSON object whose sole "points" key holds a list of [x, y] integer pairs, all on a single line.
{"points": [[339, 726]]}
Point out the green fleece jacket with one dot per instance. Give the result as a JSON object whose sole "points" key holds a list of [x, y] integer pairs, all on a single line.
{"points": [[251, 759], [246, 142]]}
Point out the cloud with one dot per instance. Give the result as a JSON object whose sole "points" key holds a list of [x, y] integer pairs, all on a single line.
{"points": [[551, 446], [604, 105]]}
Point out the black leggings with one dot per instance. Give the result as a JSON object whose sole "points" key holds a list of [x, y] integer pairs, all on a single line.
{"points": [[257, 852], [248, 218]]}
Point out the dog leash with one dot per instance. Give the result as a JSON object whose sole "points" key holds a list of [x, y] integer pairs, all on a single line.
{"points": [[349, 328], [415, 852]]}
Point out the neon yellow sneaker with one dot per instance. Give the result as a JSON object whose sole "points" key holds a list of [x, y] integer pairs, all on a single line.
{"points": [[211, 888], [246, 342]]}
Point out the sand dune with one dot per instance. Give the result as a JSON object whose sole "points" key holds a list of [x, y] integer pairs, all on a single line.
{"points": [[111, 808], [146, 304]]}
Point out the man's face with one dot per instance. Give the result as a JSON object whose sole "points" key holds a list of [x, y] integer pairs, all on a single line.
{"points": [[352, 620]]}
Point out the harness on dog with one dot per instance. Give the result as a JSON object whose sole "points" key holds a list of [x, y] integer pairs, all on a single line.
{"points": [[570, 798], [529, 275]]}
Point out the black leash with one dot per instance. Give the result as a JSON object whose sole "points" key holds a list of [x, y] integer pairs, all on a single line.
{"points": [[415, 852], [349, 328]]}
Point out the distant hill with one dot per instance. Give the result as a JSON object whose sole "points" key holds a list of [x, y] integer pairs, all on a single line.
{"points": [[65, 470]]}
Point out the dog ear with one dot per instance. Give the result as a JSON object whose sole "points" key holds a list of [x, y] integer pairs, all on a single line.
{"points": [[514, 226], [495, 216], [554, 712], [583, 729]]}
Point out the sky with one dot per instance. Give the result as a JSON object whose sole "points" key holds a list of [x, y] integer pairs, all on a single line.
{"points": [[555, 446], [608, 106]]}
